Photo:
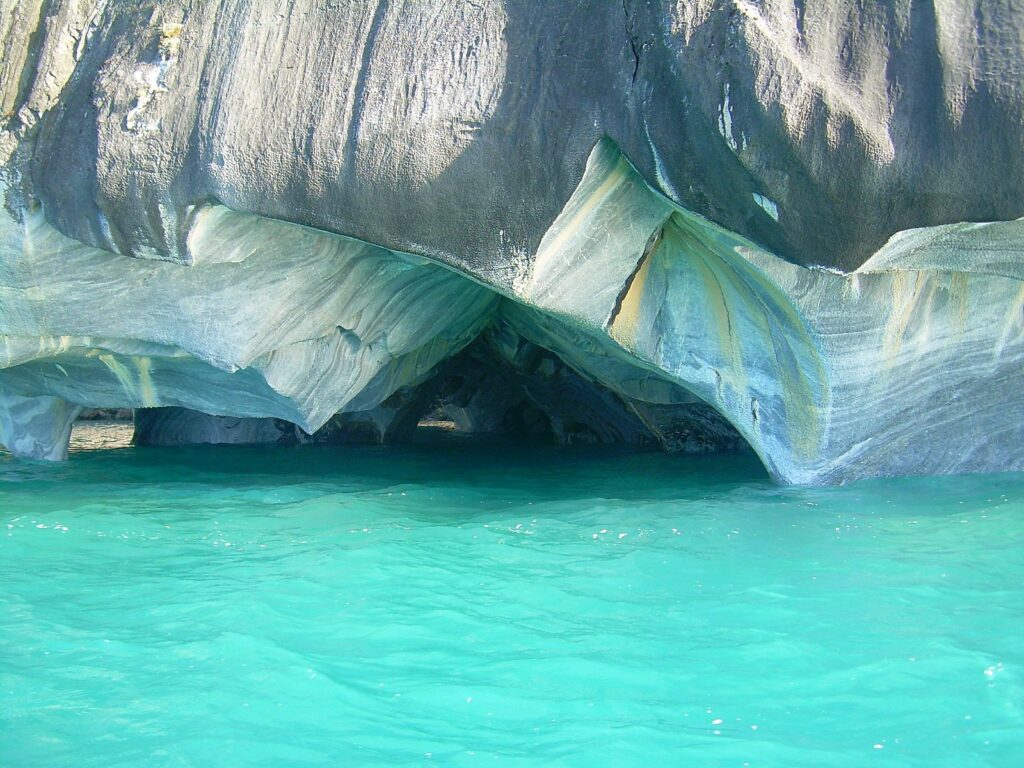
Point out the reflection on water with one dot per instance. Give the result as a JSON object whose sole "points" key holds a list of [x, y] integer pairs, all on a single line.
{"points": [[100, 435]]}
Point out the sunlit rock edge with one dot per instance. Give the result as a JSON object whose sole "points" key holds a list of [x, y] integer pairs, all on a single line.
{"points": [[635, 321]]}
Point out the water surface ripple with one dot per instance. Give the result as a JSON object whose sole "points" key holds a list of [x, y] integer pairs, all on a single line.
{"points": [[466, 604]]}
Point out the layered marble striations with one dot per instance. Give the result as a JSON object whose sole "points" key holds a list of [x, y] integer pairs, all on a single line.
{"points": [[461, 211]]}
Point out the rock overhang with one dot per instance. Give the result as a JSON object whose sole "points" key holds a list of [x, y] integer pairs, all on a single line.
{"points": [[648, 231], [651, 304]]}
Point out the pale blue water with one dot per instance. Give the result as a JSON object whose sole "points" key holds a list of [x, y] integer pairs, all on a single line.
{"points": [[486, 604]]}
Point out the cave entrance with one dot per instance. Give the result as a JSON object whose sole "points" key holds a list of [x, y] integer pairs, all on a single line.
{"points": [[463, 410], [501, 385], [505, 385], [526, 393]]}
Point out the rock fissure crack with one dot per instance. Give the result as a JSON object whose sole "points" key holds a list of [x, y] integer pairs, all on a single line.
{"points": [[631, 37]]}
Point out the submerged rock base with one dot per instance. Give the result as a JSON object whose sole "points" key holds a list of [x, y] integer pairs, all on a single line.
{"points": [[636, 321]]}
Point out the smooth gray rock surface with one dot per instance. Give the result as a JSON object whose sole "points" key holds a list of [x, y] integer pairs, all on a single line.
{"points": [[794, 222], [459, 129]]}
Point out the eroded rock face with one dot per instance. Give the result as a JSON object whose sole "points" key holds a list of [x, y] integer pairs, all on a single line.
{"points": [[688, 223]]}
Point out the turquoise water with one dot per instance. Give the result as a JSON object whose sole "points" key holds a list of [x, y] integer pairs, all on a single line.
{"points": [[481, 603]]}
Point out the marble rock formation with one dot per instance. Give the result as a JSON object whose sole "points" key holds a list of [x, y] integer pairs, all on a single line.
{"points": [[692, 223]]}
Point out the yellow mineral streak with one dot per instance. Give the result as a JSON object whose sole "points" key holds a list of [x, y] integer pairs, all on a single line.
{"points": [[625, 327], [744, 312], [907, 288], [147, 394], [137, 385], [960, 294], [1013, 326]]}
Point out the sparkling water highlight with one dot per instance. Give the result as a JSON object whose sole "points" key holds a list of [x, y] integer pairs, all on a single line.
{"points": [[476, 603]]}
